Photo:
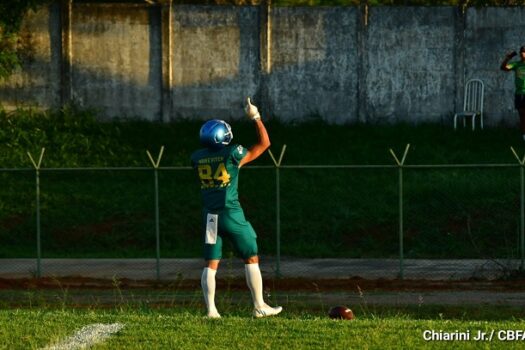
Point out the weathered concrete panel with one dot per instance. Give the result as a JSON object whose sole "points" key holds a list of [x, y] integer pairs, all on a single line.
{"points": [[409, 67], [37, 83], [116, 65], [490, 34], [215, 60], [314, 60], [409, 60]]}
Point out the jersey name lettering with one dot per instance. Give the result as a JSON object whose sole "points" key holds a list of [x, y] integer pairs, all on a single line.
{"points": [[210, 160]]}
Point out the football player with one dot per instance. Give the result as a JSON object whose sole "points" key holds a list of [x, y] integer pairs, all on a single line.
{"points": [[519, 94], [217, 166]]}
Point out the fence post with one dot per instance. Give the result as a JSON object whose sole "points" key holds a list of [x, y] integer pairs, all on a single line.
{"points": [[278, 209], [157, 226], [522, 207], [401, 238], [38, 241]]}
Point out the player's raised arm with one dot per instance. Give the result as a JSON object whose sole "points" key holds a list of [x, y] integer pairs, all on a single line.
{"points": [[264, 140], [504, 65]]}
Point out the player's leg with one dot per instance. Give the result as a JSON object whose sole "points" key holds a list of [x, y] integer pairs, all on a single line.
{"points": [[212, 255], [254, 280], [244, 240], [255, 283], [208, 287]]}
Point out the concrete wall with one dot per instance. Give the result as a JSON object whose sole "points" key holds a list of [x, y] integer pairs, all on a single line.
{"points": [[313, 63], [409, 64], [398, 64], [215, 60], [115, 63]]}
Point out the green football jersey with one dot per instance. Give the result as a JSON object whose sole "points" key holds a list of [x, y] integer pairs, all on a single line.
{"points": [[519, 68], [218, 172]]}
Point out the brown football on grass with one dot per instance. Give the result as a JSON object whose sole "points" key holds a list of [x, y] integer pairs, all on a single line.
{"points": [[341, 313]]}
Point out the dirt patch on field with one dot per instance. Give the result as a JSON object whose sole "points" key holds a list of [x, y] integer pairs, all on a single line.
{"points": [[288, 284], [361, 294]]}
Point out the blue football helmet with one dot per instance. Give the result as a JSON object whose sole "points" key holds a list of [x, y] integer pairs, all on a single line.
{"points": [[216, 133]]}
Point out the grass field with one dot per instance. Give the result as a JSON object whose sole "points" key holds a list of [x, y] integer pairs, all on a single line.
{"points": [[335, 212], [175, 328]]}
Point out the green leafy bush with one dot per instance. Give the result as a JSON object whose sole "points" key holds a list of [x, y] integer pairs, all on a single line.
{"points": [[72, 138], [12, 13]]}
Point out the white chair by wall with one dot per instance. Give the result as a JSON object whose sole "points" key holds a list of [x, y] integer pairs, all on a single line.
{"points": [[472, 103]]}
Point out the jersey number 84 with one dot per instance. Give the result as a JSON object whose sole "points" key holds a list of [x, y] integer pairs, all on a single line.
{"points": [[220, 178]]}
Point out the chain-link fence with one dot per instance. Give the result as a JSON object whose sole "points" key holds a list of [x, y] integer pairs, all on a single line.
{"points": [[323, 221]]}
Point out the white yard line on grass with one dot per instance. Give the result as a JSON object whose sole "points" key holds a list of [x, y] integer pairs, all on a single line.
{"points": [[87, 336]]}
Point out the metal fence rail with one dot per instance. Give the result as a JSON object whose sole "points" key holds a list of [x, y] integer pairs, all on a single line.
{"points": [[400, 166]]}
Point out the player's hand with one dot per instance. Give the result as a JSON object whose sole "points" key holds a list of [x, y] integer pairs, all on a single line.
{"points": [[251, 111], [511, 54]]}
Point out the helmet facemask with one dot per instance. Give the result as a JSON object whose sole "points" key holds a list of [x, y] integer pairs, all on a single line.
{"points": [[222, 137]]}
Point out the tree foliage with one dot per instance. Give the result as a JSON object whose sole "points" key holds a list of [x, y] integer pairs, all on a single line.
{"points": [[12, 13]]}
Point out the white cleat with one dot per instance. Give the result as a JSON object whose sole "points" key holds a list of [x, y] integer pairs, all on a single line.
{"points": [[266, 311], [213, 314]]}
